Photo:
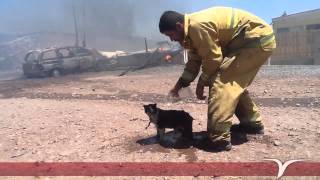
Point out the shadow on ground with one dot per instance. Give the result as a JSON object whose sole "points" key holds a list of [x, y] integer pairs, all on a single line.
{"points": [[171, 141]]}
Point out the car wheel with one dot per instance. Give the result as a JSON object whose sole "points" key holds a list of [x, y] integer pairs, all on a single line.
{"points": [[56, 73], [27, 75]]}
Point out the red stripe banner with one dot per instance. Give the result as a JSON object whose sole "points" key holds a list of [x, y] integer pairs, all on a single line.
{"points": [[156, 169]]}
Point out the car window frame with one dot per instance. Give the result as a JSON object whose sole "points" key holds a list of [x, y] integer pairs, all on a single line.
{"points": [[48, 59], [37, 54], [81, 54], [69, 50]]}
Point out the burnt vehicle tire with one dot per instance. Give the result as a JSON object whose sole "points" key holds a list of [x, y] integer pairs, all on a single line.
{"points": [[29, 76], [101, 66], [56, 73]]}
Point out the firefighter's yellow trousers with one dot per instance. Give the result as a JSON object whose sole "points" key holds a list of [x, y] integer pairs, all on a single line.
{"points": [[228, 93]]}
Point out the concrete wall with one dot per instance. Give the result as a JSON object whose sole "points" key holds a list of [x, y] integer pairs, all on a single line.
{"points": [[294, 48], [316, 48], [316, 59], [292, 61]]}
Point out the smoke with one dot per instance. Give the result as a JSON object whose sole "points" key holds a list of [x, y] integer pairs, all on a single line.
{"points": [[147, 15], [107, 25], [105, 18], [114, 18], [123, 18]]}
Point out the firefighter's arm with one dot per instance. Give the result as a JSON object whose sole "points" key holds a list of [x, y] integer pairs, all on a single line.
{"points": [[190, 72], [205, 40], [191, 69]]}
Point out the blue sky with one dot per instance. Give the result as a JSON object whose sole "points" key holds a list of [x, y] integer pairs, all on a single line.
{"points": [[265, 9]]}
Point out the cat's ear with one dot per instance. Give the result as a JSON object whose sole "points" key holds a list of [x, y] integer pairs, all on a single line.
{"points": [[155, 104]]}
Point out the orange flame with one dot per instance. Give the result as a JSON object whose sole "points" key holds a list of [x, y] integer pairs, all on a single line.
{"points": [[168, 57]]}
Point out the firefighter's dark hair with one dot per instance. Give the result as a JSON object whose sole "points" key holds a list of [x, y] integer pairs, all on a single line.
{"points": [[169, 19]]}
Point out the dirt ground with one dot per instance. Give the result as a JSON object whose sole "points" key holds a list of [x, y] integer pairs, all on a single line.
{"points": [[99, 117]]}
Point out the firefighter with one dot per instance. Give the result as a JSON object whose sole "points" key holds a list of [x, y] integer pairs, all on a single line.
{"points": [[229, 46]]}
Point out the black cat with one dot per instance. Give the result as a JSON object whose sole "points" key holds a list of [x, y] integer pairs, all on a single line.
{"points": [[180, 121]]}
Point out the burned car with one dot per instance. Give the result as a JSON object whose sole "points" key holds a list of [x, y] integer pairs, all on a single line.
{"points": [[57, 61]]}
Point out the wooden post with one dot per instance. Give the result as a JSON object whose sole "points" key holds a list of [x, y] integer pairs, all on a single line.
{"points": [[84, 41], [146, 44], [75, 25]]}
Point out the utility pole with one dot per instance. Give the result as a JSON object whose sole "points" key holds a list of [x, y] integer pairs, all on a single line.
{"points": [[75, 25], [146, 44], [84, 40]]}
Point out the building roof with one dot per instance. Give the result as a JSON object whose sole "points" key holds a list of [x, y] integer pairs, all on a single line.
{"points": [[305, 13], [297, 20]]}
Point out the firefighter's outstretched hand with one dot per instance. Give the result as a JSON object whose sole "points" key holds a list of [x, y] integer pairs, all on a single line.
{"points": [[199, 91]]}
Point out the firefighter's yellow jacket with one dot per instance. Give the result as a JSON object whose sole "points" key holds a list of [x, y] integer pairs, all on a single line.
{"points": [[212, 33]]}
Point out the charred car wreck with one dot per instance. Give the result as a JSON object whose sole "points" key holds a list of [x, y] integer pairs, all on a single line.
{"points": [[58, 61]]}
